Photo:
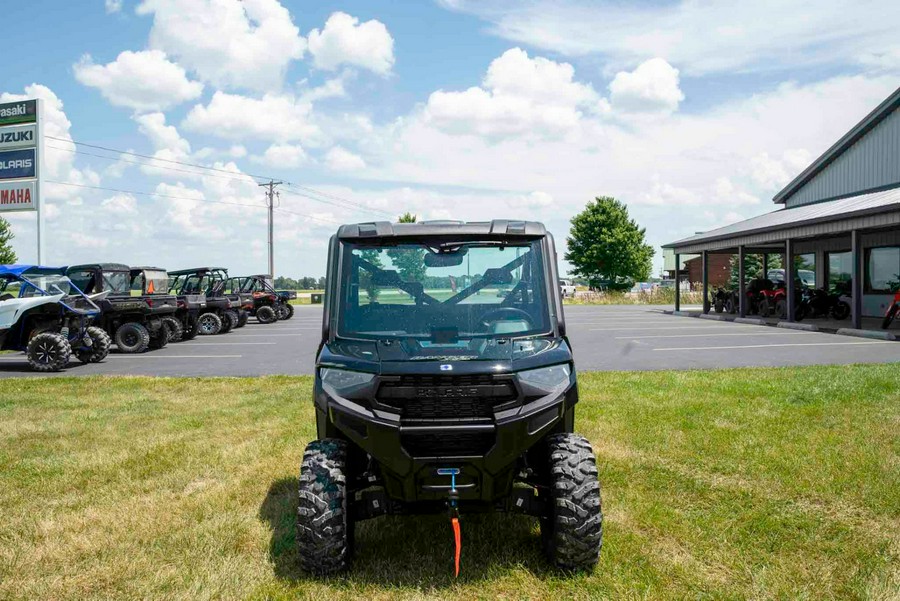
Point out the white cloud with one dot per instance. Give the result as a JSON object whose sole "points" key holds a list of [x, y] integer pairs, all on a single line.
{"points": [[652, 86], [535, 200], [120, 204], [228, 43], [113, 6], [274, 117], [143, 81], [346, 41], [520, 95], [700, 37], [284, 156], [82, 240], [772, 174], [341, 159]]}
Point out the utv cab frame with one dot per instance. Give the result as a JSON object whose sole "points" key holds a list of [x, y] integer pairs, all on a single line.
{"points": [[135, 319], [222, 312], [43, 314], [269, 305], [445, 382]]}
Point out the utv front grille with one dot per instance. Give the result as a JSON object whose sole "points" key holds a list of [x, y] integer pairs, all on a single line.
{"points": [[447, 443], [446, 398]]}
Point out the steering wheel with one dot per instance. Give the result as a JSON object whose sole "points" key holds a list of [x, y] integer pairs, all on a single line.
{"points": [[487, 318]]}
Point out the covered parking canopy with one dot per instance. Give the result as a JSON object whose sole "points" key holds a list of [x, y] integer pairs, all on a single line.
{"points": [[845, 205]]}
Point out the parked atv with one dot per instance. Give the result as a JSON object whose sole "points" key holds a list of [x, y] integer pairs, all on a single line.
{"points": [[43, 314], [722, 300], [153, 283], [445, 399], [820, 303], [268, 304], [220, 315], [136, 320], [240, 299], [756, 292]]}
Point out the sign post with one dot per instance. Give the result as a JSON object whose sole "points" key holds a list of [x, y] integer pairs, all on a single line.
{"points": [[21, 154]]}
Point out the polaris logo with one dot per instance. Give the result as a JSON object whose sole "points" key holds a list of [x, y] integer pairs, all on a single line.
{"points": [[446, 367], [16, 164]]}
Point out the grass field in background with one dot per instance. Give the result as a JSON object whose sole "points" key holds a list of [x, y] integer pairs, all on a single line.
{"points": [[749, 483]]}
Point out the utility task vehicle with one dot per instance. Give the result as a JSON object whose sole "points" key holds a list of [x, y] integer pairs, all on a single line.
{"points": [[135, 322], [220, 314], [153, 283], [45, 315], [434, 394], [269, 305]]}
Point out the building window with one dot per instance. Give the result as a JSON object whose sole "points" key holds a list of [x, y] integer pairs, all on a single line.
{"points": [[840, 269], [805, 269], [882, 269]]}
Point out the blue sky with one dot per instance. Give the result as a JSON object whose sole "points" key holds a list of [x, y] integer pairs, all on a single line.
{"points": [[693, 114]]}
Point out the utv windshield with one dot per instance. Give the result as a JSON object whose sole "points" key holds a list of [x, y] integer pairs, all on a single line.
{"points": [[38, 285], [443, 293]]}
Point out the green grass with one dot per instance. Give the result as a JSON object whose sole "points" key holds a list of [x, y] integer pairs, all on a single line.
{"points": [[751, 483]]}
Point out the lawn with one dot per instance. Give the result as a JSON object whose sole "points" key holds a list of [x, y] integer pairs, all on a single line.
{"points": [[752, 483]]}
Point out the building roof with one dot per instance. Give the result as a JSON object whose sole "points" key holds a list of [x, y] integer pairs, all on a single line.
{"points": [[785, 219], [849, 139]]}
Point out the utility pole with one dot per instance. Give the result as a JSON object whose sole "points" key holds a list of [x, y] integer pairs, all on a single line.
{"points": [[270, 203]]}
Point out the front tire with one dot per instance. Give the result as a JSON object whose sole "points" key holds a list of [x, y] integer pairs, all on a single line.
{"points": [[764, 309], [132, 337], [243, 316], [99, 349], [176, 329], [209, 324], [572, 529], [48, 351], [324, 526], [266, 314], [160, 338], [233, 319], [889, 316], [288, 310], [841, 310], [781, 309]]}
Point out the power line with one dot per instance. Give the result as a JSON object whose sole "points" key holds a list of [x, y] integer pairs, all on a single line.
{"points": [[348, 203], [122, 191]]}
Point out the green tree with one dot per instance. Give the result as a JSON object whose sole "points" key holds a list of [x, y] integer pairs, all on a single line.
{"points": [[410, 262], [752, 267], [606, 244], [7, 254]]}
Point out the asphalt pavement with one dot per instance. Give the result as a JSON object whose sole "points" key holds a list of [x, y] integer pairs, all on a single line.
{"points": [[624, 337]]}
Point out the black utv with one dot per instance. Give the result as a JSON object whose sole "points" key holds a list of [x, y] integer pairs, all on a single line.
{"points": [[435, 394], [268, 304], [221, 313], [135, 320], [153, 283]]}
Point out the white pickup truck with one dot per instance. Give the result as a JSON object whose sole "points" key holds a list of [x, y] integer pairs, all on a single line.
{"points": [[566, 288]]}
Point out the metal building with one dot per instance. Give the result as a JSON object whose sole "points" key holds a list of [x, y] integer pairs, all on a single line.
{"points": [[841, 219]]}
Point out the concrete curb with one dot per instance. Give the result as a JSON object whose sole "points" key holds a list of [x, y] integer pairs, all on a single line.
{"points": [[874, 334], [806, 327], [756, 321], [713, 317], [684, 313]]}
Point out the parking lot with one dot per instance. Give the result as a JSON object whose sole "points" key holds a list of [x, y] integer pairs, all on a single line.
{"points": [[628, 337]]}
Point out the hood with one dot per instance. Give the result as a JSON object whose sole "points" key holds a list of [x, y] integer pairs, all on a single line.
{"points": [[466, 356]]}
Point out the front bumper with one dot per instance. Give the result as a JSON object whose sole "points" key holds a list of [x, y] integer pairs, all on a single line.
{"points": [[404, 451]]}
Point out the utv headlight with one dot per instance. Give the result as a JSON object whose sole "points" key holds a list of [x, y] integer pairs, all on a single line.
{"points": [[344, 381], [547, 379]]}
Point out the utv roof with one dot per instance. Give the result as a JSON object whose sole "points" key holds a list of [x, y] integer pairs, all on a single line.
{"points": [[30, 270], [147, 268], [196, 270], [498, 228], [100, 266]]}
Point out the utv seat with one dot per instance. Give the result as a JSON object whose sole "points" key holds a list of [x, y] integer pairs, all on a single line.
{"points": [[6, 296]]}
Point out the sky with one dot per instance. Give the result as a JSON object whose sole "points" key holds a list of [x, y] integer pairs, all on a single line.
{"points": [[692, 113]]}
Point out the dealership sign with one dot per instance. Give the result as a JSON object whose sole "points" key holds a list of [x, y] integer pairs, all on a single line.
{"points": [[18, 136], [20, 158], [13, 113], [17, 196]]}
